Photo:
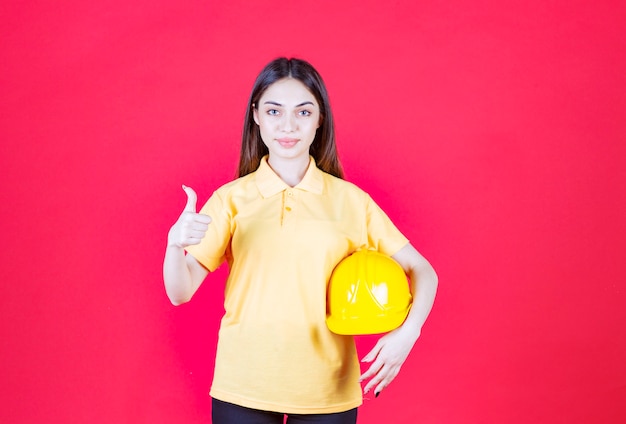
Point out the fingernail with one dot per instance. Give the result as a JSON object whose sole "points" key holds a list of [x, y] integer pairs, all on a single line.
{"points": [[376, 394]]}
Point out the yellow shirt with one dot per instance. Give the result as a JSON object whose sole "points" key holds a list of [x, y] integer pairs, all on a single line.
{"points": [[275, 351]]}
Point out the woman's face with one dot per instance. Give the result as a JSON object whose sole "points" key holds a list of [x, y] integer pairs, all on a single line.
{"points": [[288, 117]]}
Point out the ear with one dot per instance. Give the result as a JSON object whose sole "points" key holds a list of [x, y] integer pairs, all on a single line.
{"points": [[255, 114]]}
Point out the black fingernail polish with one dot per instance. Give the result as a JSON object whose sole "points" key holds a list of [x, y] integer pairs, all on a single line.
{"points": [[376, 394]]}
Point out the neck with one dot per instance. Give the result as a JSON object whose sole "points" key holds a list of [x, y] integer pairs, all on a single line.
{"points": [[291, 171]]}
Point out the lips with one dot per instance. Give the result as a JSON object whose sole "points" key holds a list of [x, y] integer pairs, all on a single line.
{"points": [[287, 142]]}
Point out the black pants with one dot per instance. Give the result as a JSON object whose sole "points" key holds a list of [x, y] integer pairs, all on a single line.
{"points": [[228, 413]]}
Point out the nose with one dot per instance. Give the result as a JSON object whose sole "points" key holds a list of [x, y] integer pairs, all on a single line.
{"points": [[288, 123]]}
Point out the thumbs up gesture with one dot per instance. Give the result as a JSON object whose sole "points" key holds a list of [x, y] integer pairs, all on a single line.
{"points": [[191, 226]]}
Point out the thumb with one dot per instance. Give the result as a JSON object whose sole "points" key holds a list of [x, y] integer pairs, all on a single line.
{"points": [[192, 199]]}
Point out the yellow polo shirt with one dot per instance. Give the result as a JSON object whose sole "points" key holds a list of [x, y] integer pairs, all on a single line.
{"points": [[275, 351]]}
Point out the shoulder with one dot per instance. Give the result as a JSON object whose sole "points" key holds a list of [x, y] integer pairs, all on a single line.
{"points": [[234, 186], [223, 199], [335, 184]]}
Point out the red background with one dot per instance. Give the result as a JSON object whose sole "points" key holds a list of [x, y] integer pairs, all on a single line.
{"points": [[493, 133]]}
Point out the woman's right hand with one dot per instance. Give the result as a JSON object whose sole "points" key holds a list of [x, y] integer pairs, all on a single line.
{"points": [[191, 226]]}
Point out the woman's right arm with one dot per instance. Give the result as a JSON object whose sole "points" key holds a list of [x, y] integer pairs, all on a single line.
{"points": [[182, 273]]}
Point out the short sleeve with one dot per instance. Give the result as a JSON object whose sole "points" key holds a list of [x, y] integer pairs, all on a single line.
{"points": [[213, 249], [382, 234]]}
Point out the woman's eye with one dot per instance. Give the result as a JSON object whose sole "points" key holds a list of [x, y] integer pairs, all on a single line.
{"points": [[272, 112], [305, 113]]}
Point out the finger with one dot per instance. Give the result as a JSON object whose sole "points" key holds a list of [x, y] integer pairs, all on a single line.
{"points": [[192, 199], [197, 222], [197, 234], [193, 240], [193, 230], [374, 382], [373, 353], [378, 390], [381, 380], [386, 381], [203, 219], [371, 371]]}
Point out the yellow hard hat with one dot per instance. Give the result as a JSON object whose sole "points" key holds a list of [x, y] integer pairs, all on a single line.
{"points": [[368, 293]]}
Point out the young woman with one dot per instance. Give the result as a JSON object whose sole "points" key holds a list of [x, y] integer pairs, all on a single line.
{"points": [[282, 226]]}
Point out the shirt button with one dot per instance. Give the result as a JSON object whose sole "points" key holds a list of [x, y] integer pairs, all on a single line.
{"points": [[289, 193], [288, 209]]}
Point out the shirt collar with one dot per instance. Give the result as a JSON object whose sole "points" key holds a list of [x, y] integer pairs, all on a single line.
{"points": [[269, 183]]}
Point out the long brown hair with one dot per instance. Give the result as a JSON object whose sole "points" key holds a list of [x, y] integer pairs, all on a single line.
{"points": [[323, 149]]}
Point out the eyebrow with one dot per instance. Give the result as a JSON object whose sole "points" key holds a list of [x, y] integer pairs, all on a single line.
{"points": [[270, 102]]}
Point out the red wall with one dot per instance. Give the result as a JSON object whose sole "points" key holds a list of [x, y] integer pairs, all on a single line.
{"points": [[493, 133]]}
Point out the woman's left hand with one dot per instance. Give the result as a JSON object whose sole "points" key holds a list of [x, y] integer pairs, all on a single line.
{"points": [[387, 357], [393, 348]]}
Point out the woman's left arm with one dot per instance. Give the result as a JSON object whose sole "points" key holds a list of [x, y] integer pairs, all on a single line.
{"points": [[393, 348]]}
